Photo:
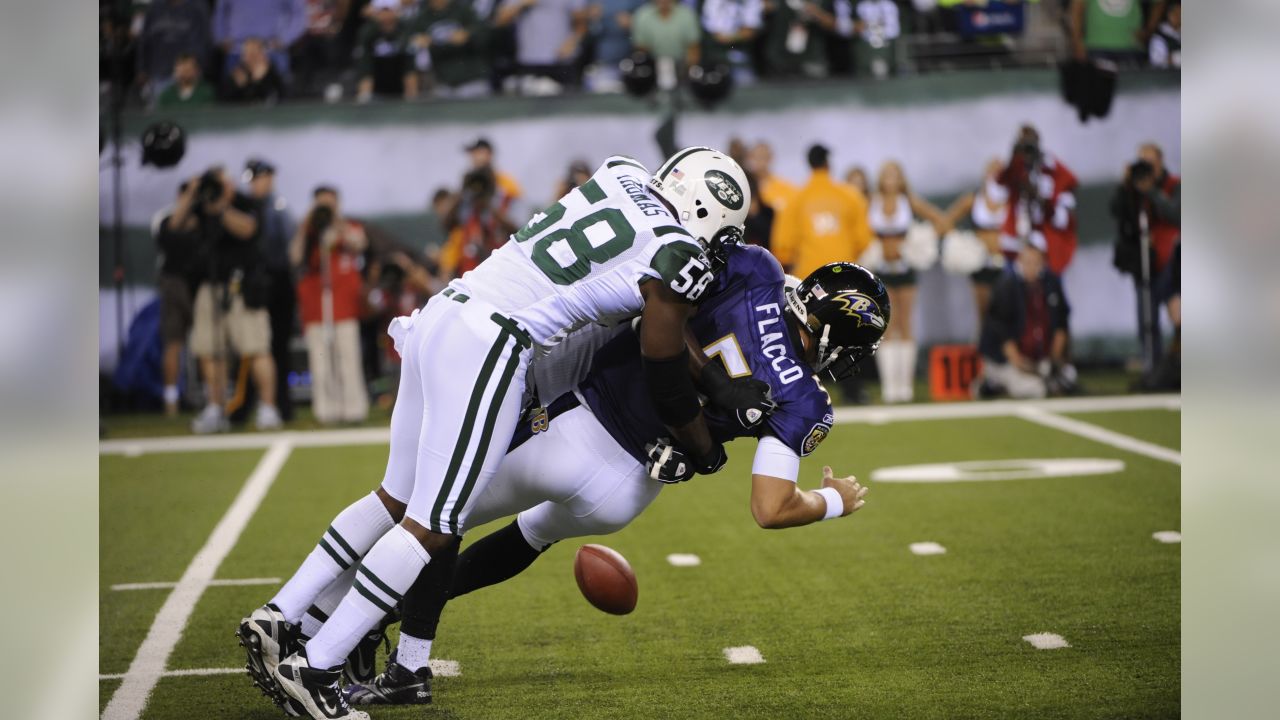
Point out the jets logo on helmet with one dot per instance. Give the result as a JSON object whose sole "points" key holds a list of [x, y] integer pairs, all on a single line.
{"points": [[709, 193], [724, 189], [860, 307]]}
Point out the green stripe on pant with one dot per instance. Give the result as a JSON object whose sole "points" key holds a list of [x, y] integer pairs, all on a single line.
{"points": [[464, 439], [486, 434]]}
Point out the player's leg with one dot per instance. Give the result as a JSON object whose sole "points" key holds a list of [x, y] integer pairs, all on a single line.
{"points": [[586, 484], [515, 487], [583, 482], [467, 405], [573, 458], [269, 634]]}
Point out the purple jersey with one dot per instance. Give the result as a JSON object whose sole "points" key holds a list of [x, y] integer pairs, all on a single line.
{"points": [[741, 323]]}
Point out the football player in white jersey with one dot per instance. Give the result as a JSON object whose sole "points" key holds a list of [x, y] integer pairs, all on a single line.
{"points": [[592, 460], [625, 243]]}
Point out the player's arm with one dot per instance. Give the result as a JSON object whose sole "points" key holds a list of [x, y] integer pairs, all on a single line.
{"points": [[751, 400], [666, 369], [777, 500]]}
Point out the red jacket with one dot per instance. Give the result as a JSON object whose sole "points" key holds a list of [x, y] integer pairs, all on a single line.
{"points": [[347, 284], [1164, 234], [1056, 202]]}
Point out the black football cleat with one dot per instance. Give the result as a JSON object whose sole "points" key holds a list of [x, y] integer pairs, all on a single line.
{"points": [[397, 685], [267, 638], [360, 666], [315, 690]]}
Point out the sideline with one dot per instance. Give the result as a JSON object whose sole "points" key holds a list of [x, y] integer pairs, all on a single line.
{"points": [[873, 415]]}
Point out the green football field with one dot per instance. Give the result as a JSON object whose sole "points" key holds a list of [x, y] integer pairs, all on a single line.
{"points": [[849, 621]]}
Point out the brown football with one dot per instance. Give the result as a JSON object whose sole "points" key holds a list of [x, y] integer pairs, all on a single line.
{"points": [[605, 579]]}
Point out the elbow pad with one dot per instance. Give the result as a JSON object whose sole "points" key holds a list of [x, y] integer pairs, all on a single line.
{"points": [[671, 389]]}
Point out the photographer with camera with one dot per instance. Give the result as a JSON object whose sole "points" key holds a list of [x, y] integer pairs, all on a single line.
{"points": [[180, 267], [1042, 202], [230, 295], [328, 252], [478, 224], [1147, 207], [275, 234]]}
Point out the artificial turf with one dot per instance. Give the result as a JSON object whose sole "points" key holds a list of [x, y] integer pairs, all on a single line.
{"points": [[851, 623]]}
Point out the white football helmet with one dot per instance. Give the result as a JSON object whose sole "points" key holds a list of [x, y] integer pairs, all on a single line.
{"points": [[709, 192]]}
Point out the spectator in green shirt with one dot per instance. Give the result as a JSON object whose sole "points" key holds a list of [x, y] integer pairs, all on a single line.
{"points": [[454, 40], [1112, 29], [188, 89], [667, 29]]}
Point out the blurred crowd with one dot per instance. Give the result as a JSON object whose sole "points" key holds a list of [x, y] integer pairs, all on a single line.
{"points": [[181, 53], [241, 276]]}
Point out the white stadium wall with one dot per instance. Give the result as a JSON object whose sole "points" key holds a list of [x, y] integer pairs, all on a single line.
{"points": [[392, 167]]}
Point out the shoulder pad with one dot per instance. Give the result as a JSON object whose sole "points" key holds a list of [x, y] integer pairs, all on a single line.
{"points": [[612, 162]]}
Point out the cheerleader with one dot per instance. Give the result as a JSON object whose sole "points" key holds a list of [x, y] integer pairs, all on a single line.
{"points": [[982, 260], [906, 227]]}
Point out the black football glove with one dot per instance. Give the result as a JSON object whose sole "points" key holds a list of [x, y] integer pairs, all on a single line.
{"points": [[710, 463], [749, 399], [668, 463]]}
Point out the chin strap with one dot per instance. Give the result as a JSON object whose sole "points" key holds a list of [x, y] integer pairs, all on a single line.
{"points": [[823, 359]]}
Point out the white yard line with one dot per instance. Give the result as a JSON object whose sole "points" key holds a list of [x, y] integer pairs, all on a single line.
{"points": [[246, 441], [1099, 434], [212, 583], [149, 664], [874, 415], [440, 668]]}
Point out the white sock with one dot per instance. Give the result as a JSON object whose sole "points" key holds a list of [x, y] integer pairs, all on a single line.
{"points": [[319, 612], [907, 370], [413, 653], [381, 580], [884, 364], [352, 533], [171, 394]]}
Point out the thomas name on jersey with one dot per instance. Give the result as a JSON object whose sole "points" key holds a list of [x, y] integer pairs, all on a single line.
{"points": [[636, 191]]}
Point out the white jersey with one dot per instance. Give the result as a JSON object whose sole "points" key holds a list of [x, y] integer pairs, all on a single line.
{"points": [[581, 260]]}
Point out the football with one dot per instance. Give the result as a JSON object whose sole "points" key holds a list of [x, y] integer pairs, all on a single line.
{"points": [[605, 579]]}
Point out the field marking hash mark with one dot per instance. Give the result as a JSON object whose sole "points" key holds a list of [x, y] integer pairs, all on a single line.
{"points": [[743, 655], [1047, 641], [927, 548]]}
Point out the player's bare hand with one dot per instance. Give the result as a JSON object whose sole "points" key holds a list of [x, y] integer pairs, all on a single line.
{"points": [[851, 491]]}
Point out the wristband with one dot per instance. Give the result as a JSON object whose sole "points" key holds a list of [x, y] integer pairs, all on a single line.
{"points": [[835, 503]]}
